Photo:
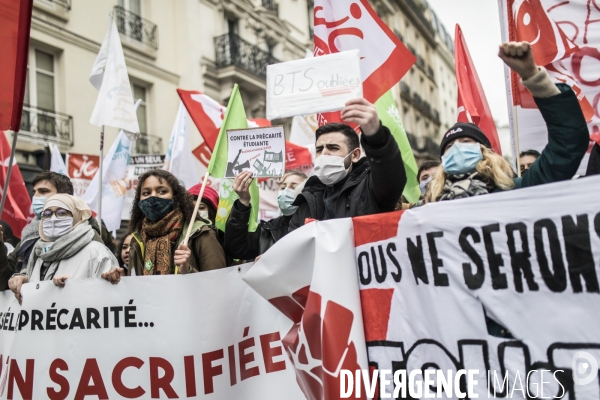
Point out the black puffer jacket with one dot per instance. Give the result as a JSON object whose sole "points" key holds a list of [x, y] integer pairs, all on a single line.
{"points": [[373, 186], [244, 245]]}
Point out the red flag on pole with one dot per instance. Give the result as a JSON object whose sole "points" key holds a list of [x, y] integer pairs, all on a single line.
{"points": [[472, 104], [17, 207], [15, 24]]}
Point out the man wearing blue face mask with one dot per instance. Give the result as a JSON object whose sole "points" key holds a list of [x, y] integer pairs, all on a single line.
{"points": [[471, 168], [244, 245]]}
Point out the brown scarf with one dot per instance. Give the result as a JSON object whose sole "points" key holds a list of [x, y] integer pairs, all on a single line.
{"points": [[160, 237]]}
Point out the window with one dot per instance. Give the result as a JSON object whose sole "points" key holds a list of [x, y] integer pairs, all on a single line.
{"points": [[232, 26], [139, 92], [142, 145], [133, 6], [40, 94], [129, 22]]}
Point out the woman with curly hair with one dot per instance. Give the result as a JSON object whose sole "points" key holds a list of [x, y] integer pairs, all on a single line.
{"points": [[160, 215]]}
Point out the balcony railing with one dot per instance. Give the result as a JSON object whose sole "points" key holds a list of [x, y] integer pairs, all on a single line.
{"points": [[436, 117], [420, 62], [63, 3], [271, 5], [136, 27], [46, 125], [233, 50], [148, 144], [399, 36]]}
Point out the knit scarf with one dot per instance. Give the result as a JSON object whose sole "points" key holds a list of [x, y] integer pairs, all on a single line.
{"points": [[465, 185], [159, 238], [64, 247], [31, 230]]}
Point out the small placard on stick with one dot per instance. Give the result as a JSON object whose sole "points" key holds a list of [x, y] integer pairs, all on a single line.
{"points": [[313, 85], [260, 150]]}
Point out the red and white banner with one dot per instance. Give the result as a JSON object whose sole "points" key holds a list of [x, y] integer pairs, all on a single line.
{"points": [[417, 287], [81, 169], [206, 336], [565, 37]]}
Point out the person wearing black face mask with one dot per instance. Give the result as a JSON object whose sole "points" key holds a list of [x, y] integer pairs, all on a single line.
{"points": [[160, 215]]}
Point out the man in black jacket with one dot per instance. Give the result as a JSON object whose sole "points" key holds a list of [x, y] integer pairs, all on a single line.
{"points": [[345, 185], [244, 245]]}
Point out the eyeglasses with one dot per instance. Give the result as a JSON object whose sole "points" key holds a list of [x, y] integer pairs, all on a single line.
{"points": [[60, 213]]}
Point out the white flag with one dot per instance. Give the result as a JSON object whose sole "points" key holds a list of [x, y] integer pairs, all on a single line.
{"points": [[114, 183], [179, 159], [57, 164], [114, 105]]}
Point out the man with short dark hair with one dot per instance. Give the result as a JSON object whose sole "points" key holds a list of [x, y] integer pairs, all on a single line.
{"points": [[425, 174], [527, 158], [346, 185]]}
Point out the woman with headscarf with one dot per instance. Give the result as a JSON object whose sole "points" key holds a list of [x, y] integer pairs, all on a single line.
{"points": [[160, 215], [66, 249]]}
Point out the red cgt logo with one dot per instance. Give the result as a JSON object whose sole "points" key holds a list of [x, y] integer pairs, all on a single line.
{"points": [[318, 344]]}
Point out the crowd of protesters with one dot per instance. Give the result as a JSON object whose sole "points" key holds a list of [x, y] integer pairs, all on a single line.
{"points": [[64, 240]]}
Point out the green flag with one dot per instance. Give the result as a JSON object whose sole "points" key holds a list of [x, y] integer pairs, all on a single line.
{"points": [[235, 118], [390, 117]]}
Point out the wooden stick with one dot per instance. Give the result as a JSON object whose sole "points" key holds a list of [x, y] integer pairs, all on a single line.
{"points": [[189, 230]]}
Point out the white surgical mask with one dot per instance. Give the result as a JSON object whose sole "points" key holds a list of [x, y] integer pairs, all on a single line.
{"points": [[331, 169], [285, 198], [204, 214], [55, 228]]}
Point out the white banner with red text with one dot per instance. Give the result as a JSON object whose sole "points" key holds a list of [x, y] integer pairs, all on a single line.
{"points": [[205, 335], [504, 284]]}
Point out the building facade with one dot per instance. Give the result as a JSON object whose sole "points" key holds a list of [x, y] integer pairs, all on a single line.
{"points": [[427, 93], [205, 45]]}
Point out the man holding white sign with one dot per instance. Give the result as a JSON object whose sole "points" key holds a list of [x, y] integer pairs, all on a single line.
{"points": [[346, 185]]}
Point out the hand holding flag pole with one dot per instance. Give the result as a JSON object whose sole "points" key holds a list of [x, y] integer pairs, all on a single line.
{"points": [[188, 233]]}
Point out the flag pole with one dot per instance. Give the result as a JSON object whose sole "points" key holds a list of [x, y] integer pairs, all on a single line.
{"points": [[100, 179], [10, 164], [198, 201], [517, 146], [188, 233]]}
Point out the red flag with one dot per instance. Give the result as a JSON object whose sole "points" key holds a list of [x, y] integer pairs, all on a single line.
{"points": [[296, 157], [206, 113], [472, 104], [528, 21], [15, 24], [341, 26], [17, 207]]}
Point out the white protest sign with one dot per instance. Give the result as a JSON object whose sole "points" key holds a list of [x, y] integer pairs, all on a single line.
{"points": [[205, 335], [260, 150], [313, 85]]}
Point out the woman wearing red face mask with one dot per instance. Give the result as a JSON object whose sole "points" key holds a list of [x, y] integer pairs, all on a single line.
{"points": [[160, 215]]}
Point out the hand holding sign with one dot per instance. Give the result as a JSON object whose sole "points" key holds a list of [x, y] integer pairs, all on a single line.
{"points": [[313, 85], [363, 113], [241, 185]]}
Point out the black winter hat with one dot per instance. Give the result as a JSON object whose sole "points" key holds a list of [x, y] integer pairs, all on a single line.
{"points": [[464, 129]]}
